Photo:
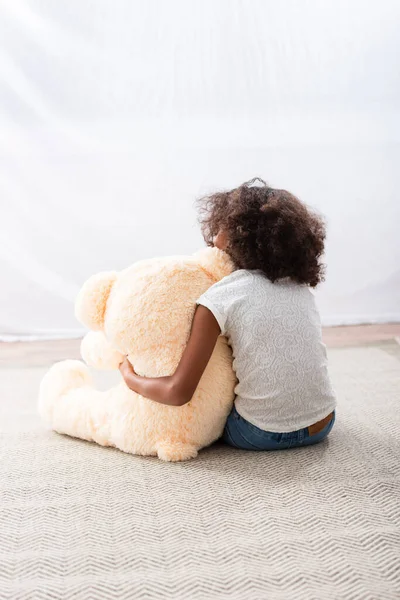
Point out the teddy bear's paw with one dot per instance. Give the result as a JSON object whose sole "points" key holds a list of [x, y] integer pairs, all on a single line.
{"points": [[174, 452], [61, 377], [97, 352]]}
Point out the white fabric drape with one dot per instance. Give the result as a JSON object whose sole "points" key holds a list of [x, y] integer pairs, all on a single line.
{"points": [[116, 115]]}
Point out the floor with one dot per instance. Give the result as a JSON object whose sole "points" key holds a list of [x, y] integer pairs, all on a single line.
{"points": [[45, 353], [357, 335], [83, 522]]}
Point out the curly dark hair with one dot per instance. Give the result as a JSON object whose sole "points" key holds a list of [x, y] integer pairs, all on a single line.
{"points": [[267, 229]]}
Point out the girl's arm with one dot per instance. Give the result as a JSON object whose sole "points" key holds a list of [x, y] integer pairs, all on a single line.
{"points": [[178, 389]]}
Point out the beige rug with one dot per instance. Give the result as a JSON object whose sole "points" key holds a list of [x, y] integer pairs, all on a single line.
{"points": [[82, 522]]}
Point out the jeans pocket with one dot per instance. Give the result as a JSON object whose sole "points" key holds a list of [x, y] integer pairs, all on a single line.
{"points": [[289, 440]]}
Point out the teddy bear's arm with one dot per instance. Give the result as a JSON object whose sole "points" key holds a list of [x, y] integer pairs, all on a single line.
{"points": [[97, 352], [91, 302]]}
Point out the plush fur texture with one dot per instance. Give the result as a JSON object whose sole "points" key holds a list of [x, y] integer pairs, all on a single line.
{"points": [[144, 312]]}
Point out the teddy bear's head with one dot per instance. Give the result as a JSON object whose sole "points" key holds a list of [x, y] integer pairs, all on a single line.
{"points": [[146, 310]]}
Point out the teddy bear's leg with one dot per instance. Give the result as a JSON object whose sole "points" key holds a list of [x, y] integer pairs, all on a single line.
{"points": [[72, 406], [60, 379], [176, 451]]}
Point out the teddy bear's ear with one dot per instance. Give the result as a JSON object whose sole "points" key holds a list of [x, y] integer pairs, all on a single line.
{"points": [[216, 262], [91, 302]]}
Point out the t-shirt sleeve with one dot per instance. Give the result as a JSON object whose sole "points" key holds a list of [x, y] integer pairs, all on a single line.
{"points": [[215, 300]]}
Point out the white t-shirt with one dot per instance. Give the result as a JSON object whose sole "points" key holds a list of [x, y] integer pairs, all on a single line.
{"points": [[280, 361]]}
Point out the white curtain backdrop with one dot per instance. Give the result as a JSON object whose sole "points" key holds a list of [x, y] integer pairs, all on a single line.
{"points": [[115, 116]]}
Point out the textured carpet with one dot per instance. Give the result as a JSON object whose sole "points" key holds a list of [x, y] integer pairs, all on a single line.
{"points": [[79, 521]]}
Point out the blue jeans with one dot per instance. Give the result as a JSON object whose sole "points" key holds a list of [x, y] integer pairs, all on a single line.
{"points": [[239, 433]]}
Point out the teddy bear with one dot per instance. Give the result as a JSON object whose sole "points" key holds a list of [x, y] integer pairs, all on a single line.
{"points": [[143, 312]]}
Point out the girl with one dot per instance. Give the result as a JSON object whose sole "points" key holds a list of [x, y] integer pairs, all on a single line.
{"points": [[284, 397]]}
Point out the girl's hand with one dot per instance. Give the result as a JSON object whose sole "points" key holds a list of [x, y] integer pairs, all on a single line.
{"points": [[126, 369]]}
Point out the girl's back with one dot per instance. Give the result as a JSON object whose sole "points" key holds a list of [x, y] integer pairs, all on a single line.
{"points": [[279, 358]]}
